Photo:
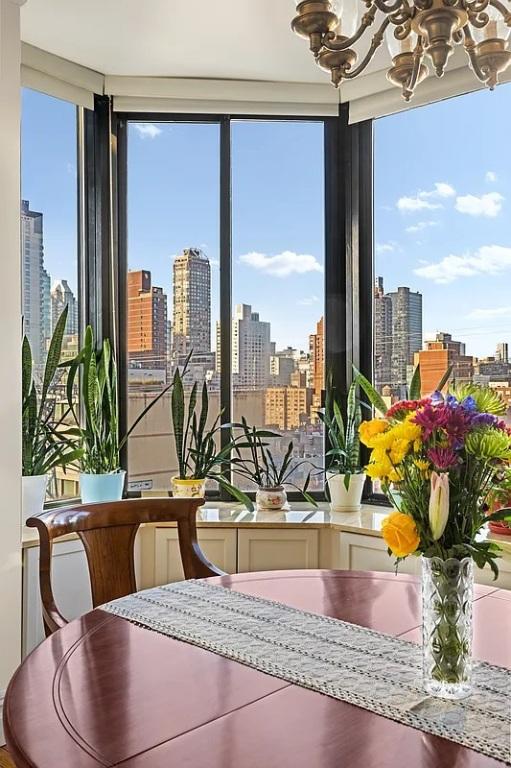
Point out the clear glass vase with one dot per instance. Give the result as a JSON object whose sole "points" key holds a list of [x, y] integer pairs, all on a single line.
{"points": [[447, 587]]}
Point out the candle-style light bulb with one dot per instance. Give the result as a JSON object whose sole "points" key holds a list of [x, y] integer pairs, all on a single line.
{"points": [[496, 28]]}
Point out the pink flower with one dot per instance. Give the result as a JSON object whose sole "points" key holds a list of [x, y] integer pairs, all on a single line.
{"points": [[442, 458], [431, 418]]}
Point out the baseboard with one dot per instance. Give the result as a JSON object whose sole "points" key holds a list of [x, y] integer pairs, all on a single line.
{"points": [[2, 737]]}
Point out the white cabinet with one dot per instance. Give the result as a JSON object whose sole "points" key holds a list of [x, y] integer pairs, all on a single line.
{"points": [[218, 544], [274, 549], [369, 553], [71, 588]]}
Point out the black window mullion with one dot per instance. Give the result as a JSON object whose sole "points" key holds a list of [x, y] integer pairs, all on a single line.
{"points": [[225, 283]]}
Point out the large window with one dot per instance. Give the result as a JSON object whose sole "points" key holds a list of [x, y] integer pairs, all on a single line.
{"points": [[173, 281], [174, 213], [278, 281], [443, 244], [49, 259]]}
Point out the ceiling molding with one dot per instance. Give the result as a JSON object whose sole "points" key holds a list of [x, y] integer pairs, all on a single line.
{"points": [[61, 69]]}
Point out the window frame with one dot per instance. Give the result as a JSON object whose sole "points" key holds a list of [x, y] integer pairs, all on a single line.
{"points": [[348, 222]]}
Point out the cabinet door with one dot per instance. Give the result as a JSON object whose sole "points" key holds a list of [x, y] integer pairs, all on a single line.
{"points": [[218, 544], [277, 549], [369, 553], [71, 587]]}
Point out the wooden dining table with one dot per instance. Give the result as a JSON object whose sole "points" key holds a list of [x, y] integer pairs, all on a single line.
{"points": [[105, 692]]}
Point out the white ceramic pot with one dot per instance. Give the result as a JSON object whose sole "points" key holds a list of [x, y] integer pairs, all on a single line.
{"points": [[271, 498], [97, 488], [33, 494], [342, 500], [191, 488]]}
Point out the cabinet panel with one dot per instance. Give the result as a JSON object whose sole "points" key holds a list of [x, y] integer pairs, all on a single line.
{"points": [[218, 544], [277, 549], [71, 587], [369, 553]]}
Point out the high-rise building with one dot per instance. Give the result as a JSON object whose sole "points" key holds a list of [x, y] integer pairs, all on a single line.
{"points": [[147, 322], [406, 335], [382, 336], [287, 408], [191, 326], [282, 366], [251, 349], [317, 358], [440, 354], [35, 282], [62, 295], [502, 353]]}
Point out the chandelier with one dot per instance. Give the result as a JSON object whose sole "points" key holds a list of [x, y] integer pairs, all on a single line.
{"points": [[412, 29]]}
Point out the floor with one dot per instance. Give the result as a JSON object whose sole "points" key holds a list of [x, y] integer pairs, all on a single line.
{"points": [[5, 760]]}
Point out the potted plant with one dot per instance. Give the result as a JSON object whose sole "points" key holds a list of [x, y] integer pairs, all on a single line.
{"points": [[344, 476], [46, 439], [255, 462], [198, 457], [450, 454], [101, 476]]}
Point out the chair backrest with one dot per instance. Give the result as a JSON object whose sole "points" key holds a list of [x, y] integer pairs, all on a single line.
{"points": [[108, 531]]}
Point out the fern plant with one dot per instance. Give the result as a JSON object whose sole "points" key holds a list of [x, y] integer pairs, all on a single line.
{"points": [[47, 439]]}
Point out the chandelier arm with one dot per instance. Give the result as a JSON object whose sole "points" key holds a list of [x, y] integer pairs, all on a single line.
{"points": [[388, 9], [506, 13], [470, 47], [418, 55], [376, 42], [333, 43]]}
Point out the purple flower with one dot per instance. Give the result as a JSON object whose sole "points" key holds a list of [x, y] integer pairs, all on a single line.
{"points": [[437, 398], [431, 418], [458, 423], [469, 404], [442, 458], [484, 420]]}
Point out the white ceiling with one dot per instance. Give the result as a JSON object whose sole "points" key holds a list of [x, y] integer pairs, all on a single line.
{"points": [[240, 39]]}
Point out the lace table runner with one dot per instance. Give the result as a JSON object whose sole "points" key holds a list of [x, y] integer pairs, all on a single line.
{"points": [[370, 669]]}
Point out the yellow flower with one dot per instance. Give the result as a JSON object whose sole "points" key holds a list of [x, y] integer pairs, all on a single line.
{"points": [[400, 534], [395, 476], [398, 450], [407, 431], [368, 430], [380, 465], [424, 466]]}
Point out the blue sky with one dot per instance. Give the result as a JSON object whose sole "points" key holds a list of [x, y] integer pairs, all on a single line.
{"points": [[443, 213], [442, 209]]}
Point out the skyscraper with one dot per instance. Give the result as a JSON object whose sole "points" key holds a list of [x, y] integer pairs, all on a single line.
{"points": [[191, 326], [382, 336], [502, 352], [251, 349], [35, 282], [317, 358], [147, 322], [406, 335], [62, 295]]}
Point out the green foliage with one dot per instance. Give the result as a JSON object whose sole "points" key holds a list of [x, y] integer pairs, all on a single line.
{"points": [[486, 399], [99, 431], [254, 461], [374, 397], [47, 440], [344, 455]]}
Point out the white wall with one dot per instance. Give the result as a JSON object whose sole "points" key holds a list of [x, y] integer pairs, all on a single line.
{"points": [[10, 338]]}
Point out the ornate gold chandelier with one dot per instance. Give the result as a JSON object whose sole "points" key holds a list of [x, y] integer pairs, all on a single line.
{"points": [[412, 30]]}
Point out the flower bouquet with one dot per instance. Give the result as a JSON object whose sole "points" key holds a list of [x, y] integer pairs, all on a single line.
{"points": [[446, 456]]}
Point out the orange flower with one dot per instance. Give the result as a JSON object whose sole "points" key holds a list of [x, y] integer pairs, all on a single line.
{"points": [[400, 534]]}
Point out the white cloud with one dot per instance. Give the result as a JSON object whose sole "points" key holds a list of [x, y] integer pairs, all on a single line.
{"points": [[308, 301], [422, 200], [282, 264], [147, 130], [385, 247], [420, 226], [490, 259], [490, 177], [489, 205], [490, 314]]}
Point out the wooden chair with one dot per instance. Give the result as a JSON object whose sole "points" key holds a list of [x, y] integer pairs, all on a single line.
{"points": [[108, 531]]}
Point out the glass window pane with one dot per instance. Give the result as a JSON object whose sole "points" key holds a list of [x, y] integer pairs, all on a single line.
{"points": [[278, 281], [443, 244], [49, 256], [173, 281]]}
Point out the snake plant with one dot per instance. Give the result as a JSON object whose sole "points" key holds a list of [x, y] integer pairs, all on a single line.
{"points": [[47, 439]]}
